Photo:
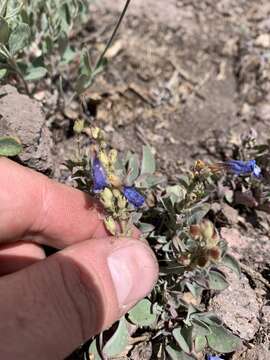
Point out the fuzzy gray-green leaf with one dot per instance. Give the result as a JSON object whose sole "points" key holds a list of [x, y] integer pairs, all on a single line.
{"points": [[9, 146], [200, 328], [119, 341], [141, 314], [133, 169], [148, 162], [19, 38], [176, 354], [223, 341], [4, 31], [183, 337], [217, 281], [93, 351], [200, 343], [35, 73], [229, 261]]}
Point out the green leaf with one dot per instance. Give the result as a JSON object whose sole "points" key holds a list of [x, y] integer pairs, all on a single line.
{"points": [[118, 342], [3, 7], [195, 289], [3, 73], [200, 328], [200, 343], [9, 146], [62, 43], [222, 340], [86, 68], [4, 31], [145, 228], [217, 281], [176, 193], [83, 83], [183, 337], [68, 55], [148, 162], [209, 318], [19, 38], [229, 261], [100, 66], [148, 181], [133, 169], [174, 354], [93, 351], [177, 355], [141, 314], [197, 213], [35, 73]]}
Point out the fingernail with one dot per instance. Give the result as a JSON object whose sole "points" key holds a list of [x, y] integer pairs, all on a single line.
{"points": [[134, 272]]}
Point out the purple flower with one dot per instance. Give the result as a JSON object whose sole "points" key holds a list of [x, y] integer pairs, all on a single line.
{"points": [[239, 167], [212, 357], [99, 175], [133, 196]]}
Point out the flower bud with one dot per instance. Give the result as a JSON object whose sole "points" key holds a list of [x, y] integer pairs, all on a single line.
{"points": [[207, 229], [78, 126], [115, 180], [121, 202], [195, 231], [103, 158], [110, 225], [214, 254], [95, 132], [107, 199], [113, 156]]}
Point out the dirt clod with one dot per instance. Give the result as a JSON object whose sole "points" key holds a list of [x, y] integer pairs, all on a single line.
{"points": [[238, 307], [22, 117]]}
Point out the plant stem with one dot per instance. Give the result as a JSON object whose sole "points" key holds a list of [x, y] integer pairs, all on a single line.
{"points": [[16, 68], [109, 43]]}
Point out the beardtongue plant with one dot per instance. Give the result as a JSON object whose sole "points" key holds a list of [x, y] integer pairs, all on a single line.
{"points": [[174, 320]]}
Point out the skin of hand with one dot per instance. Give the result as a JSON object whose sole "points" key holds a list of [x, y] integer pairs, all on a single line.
{"points": [[49, 306]]}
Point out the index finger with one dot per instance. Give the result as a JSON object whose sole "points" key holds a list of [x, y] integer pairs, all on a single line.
{"points": [[33, 207]]}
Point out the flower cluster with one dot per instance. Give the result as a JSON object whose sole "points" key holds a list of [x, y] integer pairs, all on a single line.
{"points": [[236, 167], [100, 182], [205, 248], [239, 167]]}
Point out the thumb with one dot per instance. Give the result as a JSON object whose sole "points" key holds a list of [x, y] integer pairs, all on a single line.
{"points": [[51, 307]]}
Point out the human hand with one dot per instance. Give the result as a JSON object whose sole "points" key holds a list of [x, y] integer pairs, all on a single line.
{"points": [[49, 306]]}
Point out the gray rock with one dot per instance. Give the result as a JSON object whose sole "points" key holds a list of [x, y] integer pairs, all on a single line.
{"points": [[22, 117], [238, 307]]}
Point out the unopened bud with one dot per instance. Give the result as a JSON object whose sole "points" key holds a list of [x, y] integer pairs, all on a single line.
{"points": [[115, 180], [113, 156], [110, 225], [207, 229], [121, 202], [78, 126], [214, 254], [95, 132], [195, 231], [106, 197], [103, 158]]}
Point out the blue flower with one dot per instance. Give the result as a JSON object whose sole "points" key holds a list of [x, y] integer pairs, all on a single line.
{"points": [[239, 167], [133, 196], [212, 357], [99, 175]]}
